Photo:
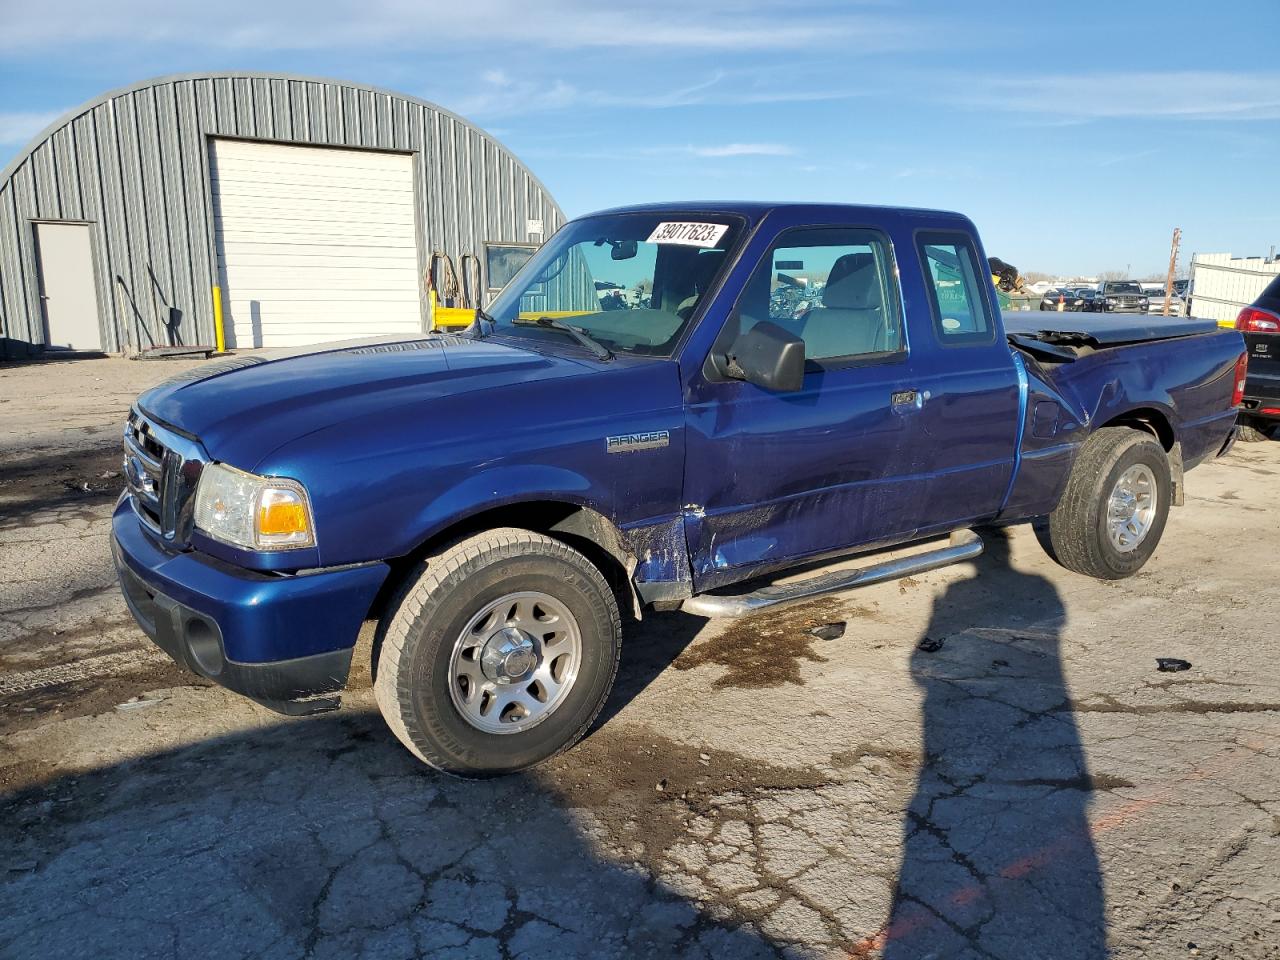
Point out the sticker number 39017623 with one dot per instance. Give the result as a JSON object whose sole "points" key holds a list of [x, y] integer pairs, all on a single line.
{"points": [[688, 234]]}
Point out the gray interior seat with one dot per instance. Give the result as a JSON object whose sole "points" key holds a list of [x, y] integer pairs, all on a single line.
{"points": [[851, 319], [701, 272]]}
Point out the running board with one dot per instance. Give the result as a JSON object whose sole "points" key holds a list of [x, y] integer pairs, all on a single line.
{"points": [[964, 545]]}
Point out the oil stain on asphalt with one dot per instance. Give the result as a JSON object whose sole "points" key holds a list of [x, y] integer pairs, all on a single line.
{"points": [[765, 650]]}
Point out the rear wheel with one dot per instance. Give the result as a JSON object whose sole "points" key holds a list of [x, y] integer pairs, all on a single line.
{"points": [[499, 655], [1255, 431], [1114, 510]]}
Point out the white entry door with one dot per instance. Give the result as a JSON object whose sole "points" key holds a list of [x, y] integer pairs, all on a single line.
{"points": [[314, 243], [67, 296]]}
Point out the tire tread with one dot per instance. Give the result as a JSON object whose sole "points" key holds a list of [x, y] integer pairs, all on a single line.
{"points": [[1073, 525], [392, 688]]}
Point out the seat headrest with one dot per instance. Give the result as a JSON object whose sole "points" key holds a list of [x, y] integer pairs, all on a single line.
{"points": [[853, 283]]}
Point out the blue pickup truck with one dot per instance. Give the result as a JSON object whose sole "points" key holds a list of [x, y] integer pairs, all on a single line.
{"points": [[665, 403]]}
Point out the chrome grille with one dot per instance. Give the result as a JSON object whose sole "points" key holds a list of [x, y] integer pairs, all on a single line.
{"points": [[161, 469]]}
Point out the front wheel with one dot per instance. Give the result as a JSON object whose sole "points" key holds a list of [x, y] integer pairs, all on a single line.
{"points": [[500, 655], [1114, 510]]}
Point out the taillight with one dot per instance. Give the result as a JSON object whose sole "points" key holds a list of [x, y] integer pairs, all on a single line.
{"points": [[1242, 374], [1253, 320]]}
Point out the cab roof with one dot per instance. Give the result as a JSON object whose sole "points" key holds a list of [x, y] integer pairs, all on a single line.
{"points": [[756, 210]]}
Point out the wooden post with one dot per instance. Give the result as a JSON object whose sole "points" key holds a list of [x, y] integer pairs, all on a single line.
{"points": [[1173, 266]]}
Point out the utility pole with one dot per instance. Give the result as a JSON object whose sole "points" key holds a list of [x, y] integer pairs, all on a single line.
{"points": [[1173, 266]]}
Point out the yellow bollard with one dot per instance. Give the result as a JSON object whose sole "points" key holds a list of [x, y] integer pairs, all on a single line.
{"points": [[219, 335]]}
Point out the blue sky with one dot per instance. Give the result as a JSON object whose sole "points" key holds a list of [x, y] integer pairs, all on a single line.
{"points": [[1077, 135]]}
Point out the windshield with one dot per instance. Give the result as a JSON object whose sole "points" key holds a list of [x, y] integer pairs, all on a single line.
{"points": [[1122, 288], [631, 281]]}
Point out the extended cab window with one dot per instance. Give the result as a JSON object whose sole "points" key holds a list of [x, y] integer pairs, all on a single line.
{"points": [[960, 311], [832, 288]]}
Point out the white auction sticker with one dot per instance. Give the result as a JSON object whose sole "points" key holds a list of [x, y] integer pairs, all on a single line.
{"points": [[689, 234]]}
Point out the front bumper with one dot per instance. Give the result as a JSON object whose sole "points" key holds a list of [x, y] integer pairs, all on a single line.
{"points": [[282, 640]]}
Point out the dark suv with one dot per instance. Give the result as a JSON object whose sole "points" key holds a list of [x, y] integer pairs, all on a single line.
{"points": [[1260, 324], [1121, 296]]}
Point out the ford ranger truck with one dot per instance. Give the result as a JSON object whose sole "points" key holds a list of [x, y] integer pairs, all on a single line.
{"points": [[665, 403]]}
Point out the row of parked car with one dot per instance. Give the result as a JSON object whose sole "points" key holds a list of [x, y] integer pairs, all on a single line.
{"points": [[1114, 296]]}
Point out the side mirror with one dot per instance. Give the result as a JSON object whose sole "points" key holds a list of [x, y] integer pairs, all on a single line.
{"points": [[768, 356]]}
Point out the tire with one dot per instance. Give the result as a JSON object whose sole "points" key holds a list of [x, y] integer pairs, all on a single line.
{"points": [[1080, 529], [1249, 433], [433, 709]]}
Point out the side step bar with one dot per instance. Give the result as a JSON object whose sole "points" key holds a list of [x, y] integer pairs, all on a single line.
{"points": [[964, 545]]}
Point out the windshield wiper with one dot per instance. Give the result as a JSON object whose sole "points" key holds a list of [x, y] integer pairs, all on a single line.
{"points": [[587, 340]]}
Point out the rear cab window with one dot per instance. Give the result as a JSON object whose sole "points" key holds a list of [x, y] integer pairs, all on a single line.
{"points": [[953, 278]]}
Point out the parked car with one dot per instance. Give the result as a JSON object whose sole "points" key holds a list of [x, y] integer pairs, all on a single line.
{"points": [[495, 499], [1155, 300], [1086, 300], [1073, 299], [1122, 296], [1057, 296], [1260, 324]]}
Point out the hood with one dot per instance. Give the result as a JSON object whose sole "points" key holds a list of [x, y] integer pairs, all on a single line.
{"points": [[242, 408]]}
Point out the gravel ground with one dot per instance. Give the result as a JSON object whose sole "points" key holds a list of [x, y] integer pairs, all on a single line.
{"points": [[1033, 788]]}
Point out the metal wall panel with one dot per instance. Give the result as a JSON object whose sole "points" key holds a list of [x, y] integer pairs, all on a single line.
{"points": [[134, 164], [1222, 284]]}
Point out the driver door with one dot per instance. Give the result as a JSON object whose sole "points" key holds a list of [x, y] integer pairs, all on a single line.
{"points": [[775, 477]]}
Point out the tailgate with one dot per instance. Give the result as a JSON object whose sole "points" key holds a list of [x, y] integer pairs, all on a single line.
{"points": [[1264, 365]]}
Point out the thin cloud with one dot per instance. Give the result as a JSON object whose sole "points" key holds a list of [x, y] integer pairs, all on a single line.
{"points": [[713, 25], [744, 150], [1184, 94], [498, 94], [20, 126], [710, 151], [1128, 157]]}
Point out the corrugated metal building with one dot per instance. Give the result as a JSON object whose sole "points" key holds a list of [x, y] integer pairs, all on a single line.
{"points": [[1221, 284], [315, 205]]}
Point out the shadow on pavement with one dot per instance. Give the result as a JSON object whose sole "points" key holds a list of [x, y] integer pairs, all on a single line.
{"points": [[997, 853], [322, 838]]}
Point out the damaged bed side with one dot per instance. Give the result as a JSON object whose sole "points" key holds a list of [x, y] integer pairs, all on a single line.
{"points": [[1104, 371]]}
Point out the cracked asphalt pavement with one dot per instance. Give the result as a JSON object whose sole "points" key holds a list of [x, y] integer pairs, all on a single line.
{"points": [[1032, 788]]}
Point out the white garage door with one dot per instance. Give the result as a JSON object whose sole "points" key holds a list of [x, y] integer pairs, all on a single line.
{"points": [[315, 244]]}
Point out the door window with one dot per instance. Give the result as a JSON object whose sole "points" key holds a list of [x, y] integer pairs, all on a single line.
{"points": [[832, 288], [960, 311]]}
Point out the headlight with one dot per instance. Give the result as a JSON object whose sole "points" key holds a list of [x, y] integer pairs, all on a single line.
{"points": [[252, 512]]}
